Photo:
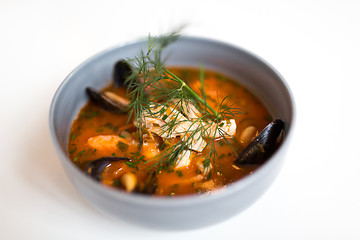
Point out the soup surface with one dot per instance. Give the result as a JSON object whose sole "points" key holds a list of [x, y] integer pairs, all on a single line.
{"points": [[97, 133]]}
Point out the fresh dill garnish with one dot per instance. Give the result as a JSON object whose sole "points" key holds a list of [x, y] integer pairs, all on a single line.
{"points": [[157, 92], [122, 146], [179, 173], [88, 114], [111, 127], [71, 151], [80, 153], [131, 164], [116, 182], [142, 158]]}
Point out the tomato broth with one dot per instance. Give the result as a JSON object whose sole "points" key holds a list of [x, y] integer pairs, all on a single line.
{"points": [[98, 133]]}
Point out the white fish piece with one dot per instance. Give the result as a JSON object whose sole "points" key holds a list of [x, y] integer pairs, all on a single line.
{"points": [[229, 127], [189, 109], [204, 170], [165, 113], [226, 128], [160, 115], [183, 159], [188, 129], [198, 144]]}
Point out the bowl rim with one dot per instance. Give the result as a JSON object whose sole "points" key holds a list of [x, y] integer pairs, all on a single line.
{"points": [[182, 200]]}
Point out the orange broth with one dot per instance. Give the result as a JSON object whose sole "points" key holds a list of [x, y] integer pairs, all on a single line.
{"points": [[93, 121]]}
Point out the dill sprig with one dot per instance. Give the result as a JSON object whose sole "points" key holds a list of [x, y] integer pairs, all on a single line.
{"points": [[154, 91]]}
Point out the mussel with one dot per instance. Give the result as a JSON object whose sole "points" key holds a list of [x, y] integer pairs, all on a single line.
{"points": [[96, 167], [108, 100], [150, 185], [121, 72], [262, 146]]}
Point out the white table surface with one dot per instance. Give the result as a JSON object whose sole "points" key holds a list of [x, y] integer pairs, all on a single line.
{"points": [[314, 44]]}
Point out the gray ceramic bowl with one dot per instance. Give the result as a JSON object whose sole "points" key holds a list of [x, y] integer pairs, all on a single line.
{"points": [[180, 212]]}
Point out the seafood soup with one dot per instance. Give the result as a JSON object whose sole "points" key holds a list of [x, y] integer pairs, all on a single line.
{"points": [[176, 146]]}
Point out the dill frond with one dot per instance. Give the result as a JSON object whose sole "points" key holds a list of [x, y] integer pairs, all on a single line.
{"points": [[156, 92]]}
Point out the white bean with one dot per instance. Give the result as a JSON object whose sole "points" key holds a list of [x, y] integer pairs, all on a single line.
{"points": [[247, 135], [129, 181]]}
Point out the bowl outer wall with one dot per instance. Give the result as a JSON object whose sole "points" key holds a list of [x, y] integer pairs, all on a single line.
{"points": [[181, 212]]}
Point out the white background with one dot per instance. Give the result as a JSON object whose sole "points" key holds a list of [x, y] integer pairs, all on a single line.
{"points": [[314, 44]]}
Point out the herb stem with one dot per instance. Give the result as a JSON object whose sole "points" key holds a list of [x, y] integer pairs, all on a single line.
{"points": [[200, 128], [193, 93]]}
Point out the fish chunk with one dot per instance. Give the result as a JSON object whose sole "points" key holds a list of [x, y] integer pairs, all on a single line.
{"points": [[150, 149], [183, 159], [111, 143], [159, 116], [104, 142], [225, 128], [189, 110]]}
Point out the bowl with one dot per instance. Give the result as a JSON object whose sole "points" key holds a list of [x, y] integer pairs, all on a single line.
{"points": [[187, 212]]}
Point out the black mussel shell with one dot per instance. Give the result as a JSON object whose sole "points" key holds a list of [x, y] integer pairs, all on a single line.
{"points": [[121, 72], [262, 146], [150, 185], [95, 168], [105, 102]]}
